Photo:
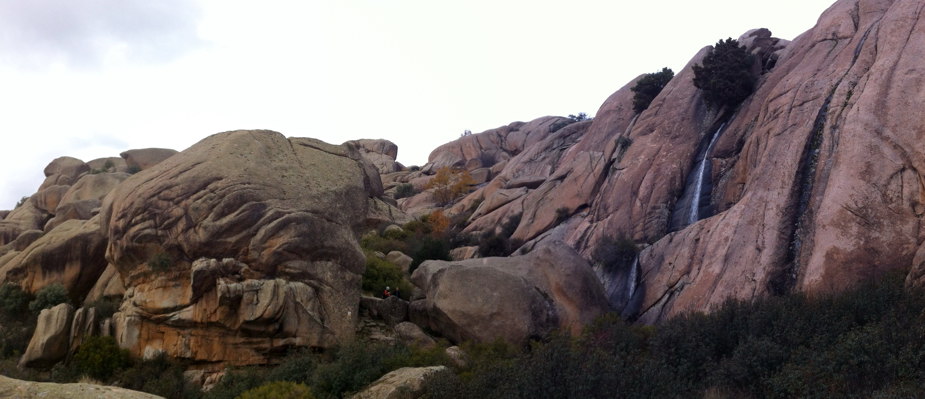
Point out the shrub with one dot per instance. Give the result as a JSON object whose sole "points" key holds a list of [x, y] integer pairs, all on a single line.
{"points": [[49, 296], [236, 382], [279, 390], [100, 357], [13, 300], [450, 184], [105, 307], [429, 248], [381, 273], [297, 366], [160, 376], [404, 190], [15, 333], [725, 75], [21, 202], [648, 87], [568, 121], [615, 253], [132, 170], [160, 262]]}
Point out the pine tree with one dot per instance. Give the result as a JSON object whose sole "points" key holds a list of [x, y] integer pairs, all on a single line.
{"points": [[648, 87], [725, 75]]}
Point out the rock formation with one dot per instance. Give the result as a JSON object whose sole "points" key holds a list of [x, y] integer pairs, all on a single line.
{"points": [[242, 244], [12, 388], [513, 298]]}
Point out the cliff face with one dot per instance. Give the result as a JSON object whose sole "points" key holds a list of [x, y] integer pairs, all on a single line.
{"points": [[816, 179]]}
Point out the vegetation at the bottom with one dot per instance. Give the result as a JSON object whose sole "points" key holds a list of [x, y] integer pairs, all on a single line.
{"points": [[866, 342], [863, 343]]}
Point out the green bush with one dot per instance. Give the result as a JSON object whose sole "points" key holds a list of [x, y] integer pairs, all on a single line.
{"points": [[159, 376], [355, 366], [865, 342], [48, 297], [725, 75], [13, 300], [279, 390], [568, 121], [429, 248], [404, 190], [297, 366], [615, 253], [100, 358], [381, 273], [648, 87], [236, 382]]}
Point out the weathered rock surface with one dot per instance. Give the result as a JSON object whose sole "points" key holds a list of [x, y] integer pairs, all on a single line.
{"points": [[50, 342], [251, 197], [513, 298], [73, 254], [141, 159], [380, 153], [23, 218], [404, 383], [12, 388], [411, 334]]}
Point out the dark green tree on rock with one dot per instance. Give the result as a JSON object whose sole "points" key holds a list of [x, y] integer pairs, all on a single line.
{"points": [[648, 87], [725, 75]]}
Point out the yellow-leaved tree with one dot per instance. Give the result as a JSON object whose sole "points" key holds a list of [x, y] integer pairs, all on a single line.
{"points": [[449, 184]]}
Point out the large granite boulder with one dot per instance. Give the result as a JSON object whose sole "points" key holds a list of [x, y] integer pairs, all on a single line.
{"points": [[72, 254], [141, 159], [241, 245], [404, 383], [514, 298], [19, 389], [51, 340], [380, 153]]}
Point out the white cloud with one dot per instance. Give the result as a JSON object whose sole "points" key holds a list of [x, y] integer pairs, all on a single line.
{"points": [[88, 33]]}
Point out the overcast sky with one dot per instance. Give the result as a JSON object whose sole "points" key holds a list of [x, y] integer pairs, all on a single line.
{"points": [[92, 78]]}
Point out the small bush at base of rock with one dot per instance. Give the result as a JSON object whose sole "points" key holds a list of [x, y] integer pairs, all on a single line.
{"points": [[13, 300], [48, 297], [100, 358], [279, 390], [404, 190]]}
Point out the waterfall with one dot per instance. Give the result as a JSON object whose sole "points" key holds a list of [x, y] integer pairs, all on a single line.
{"points": [[633, 279], [690, 207], [694, 214]]}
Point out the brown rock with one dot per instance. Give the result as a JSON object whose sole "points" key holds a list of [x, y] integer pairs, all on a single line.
{"points": [[250, 196], [47, 199], [12, 388], [380, 153], [508, 298], [49, 343], [85, 324], [108, 165], [404, 383], [63, 171], [23, 218], [400, 259], [73, 254], [410, 334], [141, 159], [74, 210], [491, 146], [463, 253], [91, 187], [109, 285]]}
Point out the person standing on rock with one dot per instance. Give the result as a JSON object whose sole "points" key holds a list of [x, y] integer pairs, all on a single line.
{"points": [[386, 293]]}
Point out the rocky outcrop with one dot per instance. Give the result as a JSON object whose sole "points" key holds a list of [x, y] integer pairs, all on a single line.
{"points": [[404, 383], [12, 388], [51, 341], [211, 244], [73, 254], [380, 153], [482, 150], [145, 158], [515, 298], [411, 334]]}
